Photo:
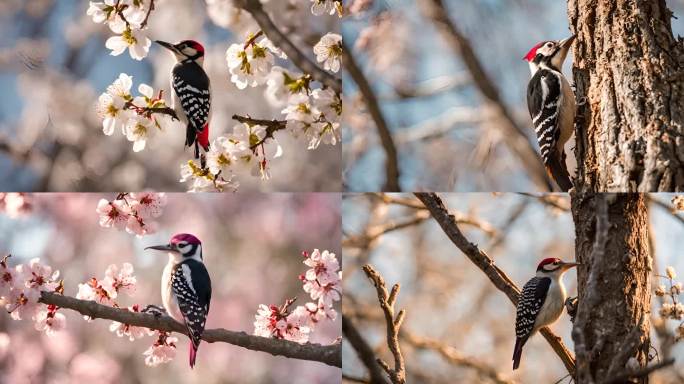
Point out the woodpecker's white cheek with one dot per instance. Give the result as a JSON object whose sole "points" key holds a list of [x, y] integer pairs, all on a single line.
{"points": [[175, 258]]}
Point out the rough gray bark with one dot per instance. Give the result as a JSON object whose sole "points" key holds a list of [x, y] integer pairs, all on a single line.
{"points": [[614, 285], [630, 68]]}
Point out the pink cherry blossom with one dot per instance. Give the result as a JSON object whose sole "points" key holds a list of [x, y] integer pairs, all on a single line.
{"points": [[8, 278], [148, 204], [113, 213], [119, 280], [322, 280], [131, 331], [265, 320], [38, 276], [162, 351], [49, 320], [139, 227], [93, 290], [22, 304], [297, 325]]}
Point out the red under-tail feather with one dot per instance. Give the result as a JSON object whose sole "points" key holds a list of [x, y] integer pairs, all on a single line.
{"points": [[193, 355], [203, 137]]}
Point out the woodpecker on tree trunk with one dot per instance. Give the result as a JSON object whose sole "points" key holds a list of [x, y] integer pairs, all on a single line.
{"points": [[551, 103], [191, 92], [186, 287], [541, 302]]}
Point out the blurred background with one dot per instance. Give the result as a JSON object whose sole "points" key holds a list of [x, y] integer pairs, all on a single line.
{"points": [[54, 65], [252, 245], [451, 304], [447, 138]]}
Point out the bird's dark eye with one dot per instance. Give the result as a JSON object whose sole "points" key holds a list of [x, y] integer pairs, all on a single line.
{"points": [[549, 45]]}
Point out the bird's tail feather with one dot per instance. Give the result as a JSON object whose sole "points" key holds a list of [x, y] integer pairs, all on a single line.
{"points": [[517, 352], [193, 354], [558, 172]]}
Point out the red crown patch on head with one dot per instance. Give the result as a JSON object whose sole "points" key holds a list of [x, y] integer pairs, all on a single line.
{"points": [[190, 239], [548, 260], [197, 46], [533, 52]]}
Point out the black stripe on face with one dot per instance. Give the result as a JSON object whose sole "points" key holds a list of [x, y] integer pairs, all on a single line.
{"points": [[191, 252]]}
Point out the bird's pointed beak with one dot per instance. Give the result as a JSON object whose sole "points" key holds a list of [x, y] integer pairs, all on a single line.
{"points": [[166, 45], [566, 43], [163, 247], [569, 265]]}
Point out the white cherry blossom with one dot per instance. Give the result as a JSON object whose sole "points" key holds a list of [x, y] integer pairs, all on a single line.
{"points": [[132, 39], [329, 51], [138, 129]]}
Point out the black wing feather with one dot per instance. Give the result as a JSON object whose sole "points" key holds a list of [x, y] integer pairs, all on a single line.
{"points": [[193, 305], [529, 304], [191, 85], [545, 110]]}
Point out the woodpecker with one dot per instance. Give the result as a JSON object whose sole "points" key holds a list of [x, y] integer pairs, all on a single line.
{"points": [[186, 286], [541, 302], [191, 92], [551, 103]]}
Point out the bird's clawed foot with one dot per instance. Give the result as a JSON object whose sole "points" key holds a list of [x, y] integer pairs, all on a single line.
{"points": [[155, 310], [571, 304], [582, 101]]}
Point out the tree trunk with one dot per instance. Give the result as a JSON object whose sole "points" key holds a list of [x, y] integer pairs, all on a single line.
{"points": [[630, 68], [612, 323]]}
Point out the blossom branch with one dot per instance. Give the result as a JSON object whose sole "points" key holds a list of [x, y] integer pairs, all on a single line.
{"points": [[327, 354], [498, 277], [272, 126], [391, 162], [279, 39], [387, 301]]}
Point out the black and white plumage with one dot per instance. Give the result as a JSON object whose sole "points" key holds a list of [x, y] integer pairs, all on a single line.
{"points": [[551, 104], [186, 287], [541, 302], [530, 303], [191, 92], [191, 290]]}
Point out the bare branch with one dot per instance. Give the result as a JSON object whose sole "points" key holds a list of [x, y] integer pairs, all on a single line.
{"points": [[428, 88], [643, 372], [391, 162], [363, 350], [374, 232], [281, 41], [327, 354], [500, 280], [440, 125], [453, 356], [387, 301]]}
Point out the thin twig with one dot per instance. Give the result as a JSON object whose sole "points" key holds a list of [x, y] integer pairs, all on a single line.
{"points": [[453, 356], [387, 300], [327, 354], [391, 161]]}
